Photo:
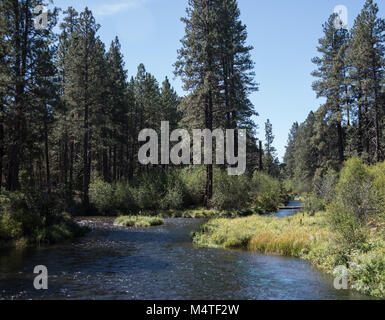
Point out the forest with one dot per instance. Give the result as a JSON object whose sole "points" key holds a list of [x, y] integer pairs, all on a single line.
{"points": [[70, 117]]}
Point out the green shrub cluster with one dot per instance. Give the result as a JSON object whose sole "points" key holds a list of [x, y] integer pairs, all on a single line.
{"points": [[185, 188], [357, 202], [267, 192], [34, 217]]}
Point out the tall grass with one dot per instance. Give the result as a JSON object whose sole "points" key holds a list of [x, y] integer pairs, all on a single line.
{"points": [[138, 222], [290, 236], [350, 233]]}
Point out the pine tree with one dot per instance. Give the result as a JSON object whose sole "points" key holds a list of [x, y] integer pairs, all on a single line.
{"points": [[116, 108], [289, 158], [270, 161], [4, 72], [84, 81], [236, 68], [215, 65], [65, 135], [169, 104], [366, 58], [331, 74], [23, 43]]}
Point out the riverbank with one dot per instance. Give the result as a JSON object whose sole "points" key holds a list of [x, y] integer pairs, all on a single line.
{"points": [[159, 263], [54, 234], [302, 236], [30, 219]]}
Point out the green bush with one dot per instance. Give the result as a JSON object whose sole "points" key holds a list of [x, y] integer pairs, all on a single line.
{"points": [[325, 185], [355, 204], [378, 188], [101, 196], [34, 218], [367, 272], [267, 191], [230, 192], [173, 198], [123, 198], [194, 180], [312, 204]]}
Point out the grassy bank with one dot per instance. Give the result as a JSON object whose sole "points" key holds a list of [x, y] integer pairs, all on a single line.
{"points": [[303, 236], [34, 219], [138, 222], [291, 236], [43, 235]]}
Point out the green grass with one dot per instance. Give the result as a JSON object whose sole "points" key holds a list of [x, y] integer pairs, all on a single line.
{"points": [[306, 237], [56, 233], [138, 222], [290, 236]]}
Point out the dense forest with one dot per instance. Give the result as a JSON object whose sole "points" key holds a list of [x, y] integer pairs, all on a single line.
{"points": [[351, 122], [71, 117], [69, 110]]}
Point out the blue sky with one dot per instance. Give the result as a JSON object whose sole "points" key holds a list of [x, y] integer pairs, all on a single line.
{"points": [[284, 35]]}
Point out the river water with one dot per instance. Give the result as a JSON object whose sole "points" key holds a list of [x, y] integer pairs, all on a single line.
{"points": [[158, 263]]}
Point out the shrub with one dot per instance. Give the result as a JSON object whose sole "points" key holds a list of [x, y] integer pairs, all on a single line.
{"points": [[378, 187], [230, 192], [194, 180], [267, 191], [101, 196], [173, 198], [312, 204], [324, 185], [34, 218], [354, 204], [123, 198], [367, 272]]}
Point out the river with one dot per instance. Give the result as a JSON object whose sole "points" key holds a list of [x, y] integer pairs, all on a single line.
{"points": [[158, 263]]}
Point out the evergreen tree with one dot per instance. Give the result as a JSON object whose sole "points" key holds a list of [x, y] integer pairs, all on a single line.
{"points": [[366, 58], [116, 108], [270, 160], [217, 71], [169, 104], [84, 81], [331, 74], [22, 43], [289, 158]]}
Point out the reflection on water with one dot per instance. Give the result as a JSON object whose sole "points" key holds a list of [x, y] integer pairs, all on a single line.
{"points": [[158, 263]]}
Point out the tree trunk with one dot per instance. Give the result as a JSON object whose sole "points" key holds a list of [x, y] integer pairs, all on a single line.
{"points": [[209, 167], [71, 166], [47, 155], [114, 170], [106, 176], [1, 146], [340, 143], [260, 164], [86, 174], [360, 135]]}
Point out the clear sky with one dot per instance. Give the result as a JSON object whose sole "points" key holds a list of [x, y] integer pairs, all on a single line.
{"points": [[284, 35]]}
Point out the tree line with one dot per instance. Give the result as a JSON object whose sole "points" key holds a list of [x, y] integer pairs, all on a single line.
{"points": [[350, 78], [69, 111]]}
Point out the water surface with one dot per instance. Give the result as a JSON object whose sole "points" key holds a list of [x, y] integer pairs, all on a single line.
{"points": [[158, 263]]}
